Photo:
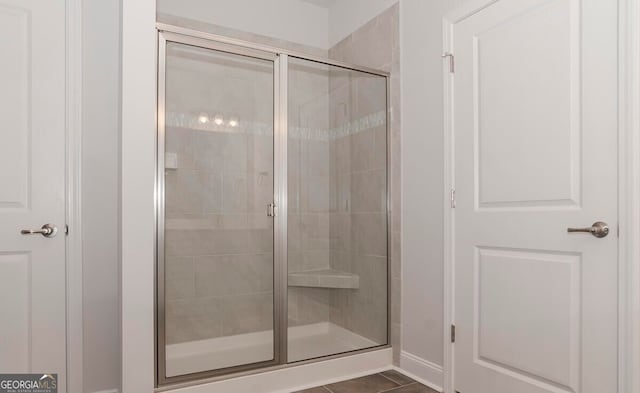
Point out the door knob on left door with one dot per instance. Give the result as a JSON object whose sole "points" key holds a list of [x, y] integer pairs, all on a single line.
{"points": [[47, 230], [598, 229]]}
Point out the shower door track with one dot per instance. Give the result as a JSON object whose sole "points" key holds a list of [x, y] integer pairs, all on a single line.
{"points": [[280, 57]]}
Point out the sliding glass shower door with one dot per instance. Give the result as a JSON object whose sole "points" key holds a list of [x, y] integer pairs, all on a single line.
{"points": [[217, 180], [272, 208]]}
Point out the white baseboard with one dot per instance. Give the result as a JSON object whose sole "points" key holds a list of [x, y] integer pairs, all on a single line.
{"points": [[108, 391], [300, 377], [422, 370]]}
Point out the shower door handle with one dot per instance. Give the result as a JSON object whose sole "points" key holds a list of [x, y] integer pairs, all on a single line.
{"points": [[272, 210]]}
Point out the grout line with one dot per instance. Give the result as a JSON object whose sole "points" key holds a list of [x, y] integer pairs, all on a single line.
{"points": [[327, 389], [263, 253], [396, 382], [397, 387], [221, 297]]}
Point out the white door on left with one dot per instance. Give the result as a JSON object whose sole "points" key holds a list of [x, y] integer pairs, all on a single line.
{"points": [[32, 187]]}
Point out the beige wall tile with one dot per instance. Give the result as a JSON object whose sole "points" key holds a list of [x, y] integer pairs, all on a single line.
{"points": [[182, 142], [314, 229], [368, 305], [340, 232], [208, 150], [228, 275], [180, 278], [370, 95], [369, 233], [313, 304], [247, 313], [193, 319], [234, 192], [369, 191]]}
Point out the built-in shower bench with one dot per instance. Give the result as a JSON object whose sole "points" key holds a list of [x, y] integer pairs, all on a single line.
{"points": [[324, 278]]}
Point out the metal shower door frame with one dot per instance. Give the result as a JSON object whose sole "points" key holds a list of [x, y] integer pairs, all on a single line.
{"points": [[280, 59]]}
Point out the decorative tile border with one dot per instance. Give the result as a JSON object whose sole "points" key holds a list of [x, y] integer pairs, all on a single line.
{"points": [[367, 122]]}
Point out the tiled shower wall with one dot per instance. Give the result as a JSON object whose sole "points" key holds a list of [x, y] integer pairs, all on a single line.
{"points": [[376, 45], [308, 187], [337, 195], [358, 219]]}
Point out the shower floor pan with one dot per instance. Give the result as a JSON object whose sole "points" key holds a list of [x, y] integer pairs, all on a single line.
{"points": [[305, 342]]}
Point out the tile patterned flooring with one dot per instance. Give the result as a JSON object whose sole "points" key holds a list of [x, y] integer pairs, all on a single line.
{"points": [[390, 381]]}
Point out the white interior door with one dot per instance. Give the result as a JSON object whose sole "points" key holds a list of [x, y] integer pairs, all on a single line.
{"points": [[535, 140], [32, 187]]}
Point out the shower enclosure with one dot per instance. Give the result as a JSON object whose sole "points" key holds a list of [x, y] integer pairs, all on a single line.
{"points": [[272, 207]]}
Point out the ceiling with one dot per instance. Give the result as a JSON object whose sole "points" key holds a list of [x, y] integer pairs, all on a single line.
{"points": [[320, 3]]}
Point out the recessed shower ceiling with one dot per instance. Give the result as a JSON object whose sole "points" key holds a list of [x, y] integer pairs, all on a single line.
{"points": [[320, 3]]}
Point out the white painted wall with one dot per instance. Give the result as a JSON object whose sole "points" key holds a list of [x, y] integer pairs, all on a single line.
{"points": [[423, 174], [290, 20], [100, 185], [137, 173], [346, 16]]}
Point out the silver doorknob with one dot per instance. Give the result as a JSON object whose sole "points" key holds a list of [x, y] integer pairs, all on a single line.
{"points": [[598, 229], [47, 230]]}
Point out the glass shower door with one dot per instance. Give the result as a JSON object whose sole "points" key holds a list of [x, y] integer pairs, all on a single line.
{"points": [[216, 180], [337, 210]]}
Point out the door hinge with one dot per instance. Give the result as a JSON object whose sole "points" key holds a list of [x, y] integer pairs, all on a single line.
{"points": [[452, 62], [272, 210], [453, 198], [66, 230], [453, 333]]}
